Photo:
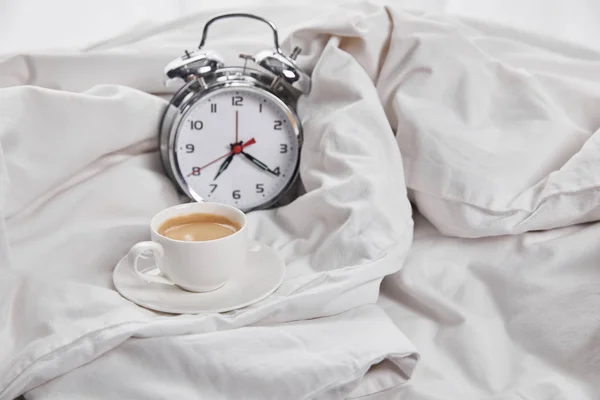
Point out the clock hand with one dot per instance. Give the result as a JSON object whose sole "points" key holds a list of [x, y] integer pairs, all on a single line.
{"points": [[259, 163], [212, 162], [248, 143], [224, 165], [236, 126], [235, 149]]}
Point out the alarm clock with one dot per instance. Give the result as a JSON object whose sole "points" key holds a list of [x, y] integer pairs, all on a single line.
{"points": [[230, 134]]}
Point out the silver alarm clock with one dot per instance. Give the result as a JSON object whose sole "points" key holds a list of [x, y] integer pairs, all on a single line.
{"points": [[231, 134]]}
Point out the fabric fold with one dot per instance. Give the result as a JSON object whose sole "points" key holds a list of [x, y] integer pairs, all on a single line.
{"points": [[90, 180], [486, 135]]}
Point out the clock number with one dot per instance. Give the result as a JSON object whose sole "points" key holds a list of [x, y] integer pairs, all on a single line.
{"points": [[214, 187], [260, 107], [260, 188], [213, 108], [277, 125], [237, 101], [189, 148], [236, 194], [197, 125], [196, 171], [277, 172], [283, 148]]}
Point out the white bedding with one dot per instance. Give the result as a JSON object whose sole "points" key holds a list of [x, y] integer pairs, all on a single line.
{"points": [[495, 137], [35, 25]]}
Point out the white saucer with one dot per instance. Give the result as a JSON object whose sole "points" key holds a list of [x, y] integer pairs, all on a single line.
{"points": [[260, 277]]}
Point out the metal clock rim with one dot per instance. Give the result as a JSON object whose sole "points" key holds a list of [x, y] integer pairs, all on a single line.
{"points": [[171, 133]]}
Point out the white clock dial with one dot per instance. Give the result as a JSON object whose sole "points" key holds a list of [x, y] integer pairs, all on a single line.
{"points": [[237, 146]]}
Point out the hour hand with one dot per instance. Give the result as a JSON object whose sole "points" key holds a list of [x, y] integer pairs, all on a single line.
{"points": [[224, 166], [259, 163]]}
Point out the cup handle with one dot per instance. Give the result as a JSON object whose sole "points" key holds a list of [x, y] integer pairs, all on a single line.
{"points": [[138, 250]]}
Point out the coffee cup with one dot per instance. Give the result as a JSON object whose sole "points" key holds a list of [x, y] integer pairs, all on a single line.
{"points": [[196, 246]]}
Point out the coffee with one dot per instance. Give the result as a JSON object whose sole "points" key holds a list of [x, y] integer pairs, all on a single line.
{"points": [[198, 227]]}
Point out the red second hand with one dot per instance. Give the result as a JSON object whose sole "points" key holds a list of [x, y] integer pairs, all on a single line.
{"points": [[248, 143], [236, 126]]}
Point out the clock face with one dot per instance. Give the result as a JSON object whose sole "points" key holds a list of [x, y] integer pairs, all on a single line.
{"points": [[237, 146]]}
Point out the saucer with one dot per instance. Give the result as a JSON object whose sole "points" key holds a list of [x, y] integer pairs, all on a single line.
{"points": [[259, 278]]}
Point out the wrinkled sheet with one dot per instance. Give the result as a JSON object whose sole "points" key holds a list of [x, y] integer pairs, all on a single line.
{"points": [[574, 21], [495, 145], [85, 179]]}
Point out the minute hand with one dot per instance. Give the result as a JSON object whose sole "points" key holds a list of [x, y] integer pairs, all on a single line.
{"points": [[259, 163]]}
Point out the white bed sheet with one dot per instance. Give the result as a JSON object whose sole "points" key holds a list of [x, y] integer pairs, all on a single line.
{"points": [[64, 325], [27, 25], [505, 317], [508, 318]]}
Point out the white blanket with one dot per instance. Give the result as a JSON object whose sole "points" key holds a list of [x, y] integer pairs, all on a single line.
{"points": [[493, 137]]}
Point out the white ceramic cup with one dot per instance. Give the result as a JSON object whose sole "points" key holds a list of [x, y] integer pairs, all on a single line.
{"points": [[197, 266]]}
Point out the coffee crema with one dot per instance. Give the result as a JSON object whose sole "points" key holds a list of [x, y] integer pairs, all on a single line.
{"points": [[198, 227]]}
